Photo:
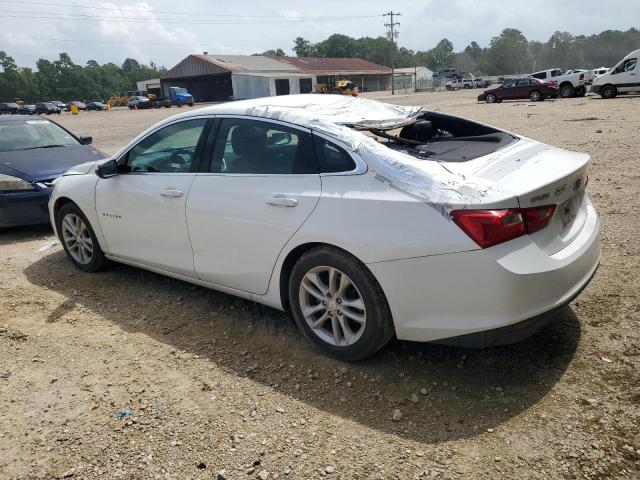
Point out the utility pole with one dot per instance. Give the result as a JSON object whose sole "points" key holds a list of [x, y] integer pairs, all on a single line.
{"points": [[392, 34]]}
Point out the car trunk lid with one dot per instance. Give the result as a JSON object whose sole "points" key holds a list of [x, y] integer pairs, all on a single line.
{"points": [[537, 175]]}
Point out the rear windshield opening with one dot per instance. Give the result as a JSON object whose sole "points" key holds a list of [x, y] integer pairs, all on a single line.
{"points": [[439, 137]]}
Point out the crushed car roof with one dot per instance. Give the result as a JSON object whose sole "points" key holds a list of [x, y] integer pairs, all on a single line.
{"points": [[312, 111]]}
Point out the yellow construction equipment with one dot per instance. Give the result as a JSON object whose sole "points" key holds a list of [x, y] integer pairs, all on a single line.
{"points": [[338, 87]]}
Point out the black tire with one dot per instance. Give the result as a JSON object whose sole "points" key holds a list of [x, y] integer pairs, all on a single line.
{"points": [[491, 98], [580, 92], [378, 329], [98, 260], [566, 90], [535, 96], [608, 91]]}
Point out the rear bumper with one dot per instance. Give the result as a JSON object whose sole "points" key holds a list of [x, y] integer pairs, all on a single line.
{"points": [[19, 209], [444, 296]]}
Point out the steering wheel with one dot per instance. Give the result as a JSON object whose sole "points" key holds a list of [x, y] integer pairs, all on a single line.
{"points": [[175, 161]]}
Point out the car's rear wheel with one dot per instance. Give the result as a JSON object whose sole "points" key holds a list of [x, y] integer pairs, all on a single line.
{"points": [[535, 96], [608, 91], [491, 98], [78, 239], [339, 305], [566, 90]]}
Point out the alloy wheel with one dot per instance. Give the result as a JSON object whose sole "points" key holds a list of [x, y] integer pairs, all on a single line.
{"points": [[332, 306], [77, 238]]}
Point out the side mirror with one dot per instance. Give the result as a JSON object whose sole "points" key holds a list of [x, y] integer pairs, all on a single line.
{"points": [[107, 169], [85, 139]]}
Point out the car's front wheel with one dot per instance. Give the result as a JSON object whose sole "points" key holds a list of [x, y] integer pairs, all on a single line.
{"points": [[608, 91], [491, 98], [339, 305], [78, 239]]}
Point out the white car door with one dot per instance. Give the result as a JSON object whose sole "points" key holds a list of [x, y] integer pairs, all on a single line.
{"points": [[142, 209], [261, 184], [625, 76]]}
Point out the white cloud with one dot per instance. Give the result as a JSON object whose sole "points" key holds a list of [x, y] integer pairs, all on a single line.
{"points": [[422, 25]]}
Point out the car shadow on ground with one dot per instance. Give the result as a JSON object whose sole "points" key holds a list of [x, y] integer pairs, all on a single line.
{"points": [[444, 393], [22, 234]]}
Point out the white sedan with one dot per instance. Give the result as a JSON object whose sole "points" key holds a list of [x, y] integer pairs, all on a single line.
{"points": [[365, 220]]}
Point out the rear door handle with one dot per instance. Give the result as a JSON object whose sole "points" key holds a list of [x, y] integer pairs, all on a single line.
{"points": [[171, 193], [281, 201]]}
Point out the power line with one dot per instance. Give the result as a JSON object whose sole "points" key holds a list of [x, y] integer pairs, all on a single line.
{"points": [[78, 40], [392, 34], [174, 13], [156, 21]]}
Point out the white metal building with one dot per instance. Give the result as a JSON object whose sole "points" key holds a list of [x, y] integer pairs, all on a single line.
{"points": [[226, 77]]}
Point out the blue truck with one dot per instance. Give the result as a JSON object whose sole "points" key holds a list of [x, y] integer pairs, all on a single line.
{"points": [[178, 96]]}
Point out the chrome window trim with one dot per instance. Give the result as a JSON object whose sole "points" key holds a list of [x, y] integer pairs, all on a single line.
{"points": [[267, 120], [361, 165]]}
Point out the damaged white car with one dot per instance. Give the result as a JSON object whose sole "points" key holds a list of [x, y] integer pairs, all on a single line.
{"points": [[366, 220]]}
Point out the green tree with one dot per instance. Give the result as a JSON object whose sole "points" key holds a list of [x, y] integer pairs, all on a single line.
{"points": [[509, 53], [304, 48], [278, 52], [7, 63], [442, 54]]}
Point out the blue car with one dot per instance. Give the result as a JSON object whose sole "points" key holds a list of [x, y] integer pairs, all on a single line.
{"points": [[33, 152]]}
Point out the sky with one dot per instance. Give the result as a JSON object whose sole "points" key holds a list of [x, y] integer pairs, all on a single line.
{"points": [[165, 31]]}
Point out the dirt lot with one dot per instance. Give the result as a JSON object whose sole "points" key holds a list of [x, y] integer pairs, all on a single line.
{"points": [[216, 383]]}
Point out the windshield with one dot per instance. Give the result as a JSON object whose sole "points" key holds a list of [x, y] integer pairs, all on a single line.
{"points": [[33, 134]]}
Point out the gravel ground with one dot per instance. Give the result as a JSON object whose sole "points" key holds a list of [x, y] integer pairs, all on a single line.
{"points": [[127, 374]]}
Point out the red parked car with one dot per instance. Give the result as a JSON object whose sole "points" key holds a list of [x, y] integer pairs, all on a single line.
{"points": [[521, 89]]}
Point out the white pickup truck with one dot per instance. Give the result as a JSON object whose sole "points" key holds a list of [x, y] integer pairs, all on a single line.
{"points": [[466, 83], [569, 84]]}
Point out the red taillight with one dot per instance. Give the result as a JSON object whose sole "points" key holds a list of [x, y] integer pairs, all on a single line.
{"points": [[582, 76], [537, 218], [491, 227]]}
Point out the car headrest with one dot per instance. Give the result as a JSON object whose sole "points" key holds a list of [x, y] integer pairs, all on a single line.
{"points": [[248, 140], [420, 131]]}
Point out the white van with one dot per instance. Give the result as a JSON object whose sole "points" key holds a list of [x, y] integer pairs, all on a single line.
{"points": [[623, 78]]}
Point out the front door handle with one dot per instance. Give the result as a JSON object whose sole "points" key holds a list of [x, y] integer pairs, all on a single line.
{"points": [[281, 201], [171, 193]]}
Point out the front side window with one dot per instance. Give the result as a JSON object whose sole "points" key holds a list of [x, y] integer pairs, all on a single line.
{"points": [[540, 76], [169, 150], [332, 158], [254, 147], [627, 66], [509, 84]]}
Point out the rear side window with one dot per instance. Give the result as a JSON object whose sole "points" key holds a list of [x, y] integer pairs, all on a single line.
{"points": [[332, 158], [256, 147]]}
